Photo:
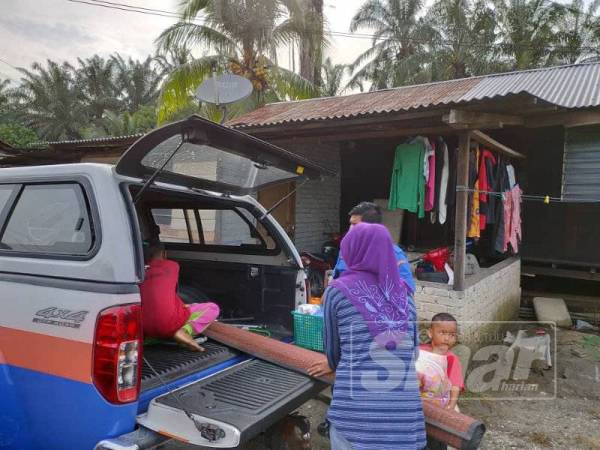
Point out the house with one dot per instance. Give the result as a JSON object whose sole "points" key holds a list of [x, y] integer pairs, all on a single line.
{"points": [[546, 122]]}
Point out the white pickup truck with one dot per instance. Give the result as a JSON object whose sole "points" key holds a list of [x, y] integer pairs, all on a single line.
{"points": [[75, 372]]}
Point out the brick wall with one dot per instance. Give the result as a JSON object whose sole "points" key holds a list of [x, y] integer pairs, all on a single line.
{"points": [[492, 295], [317, 202]]}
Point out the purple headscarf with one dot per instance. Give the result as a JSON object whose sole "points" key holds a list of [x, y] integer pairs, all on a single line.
{"points": [[372, 282]]}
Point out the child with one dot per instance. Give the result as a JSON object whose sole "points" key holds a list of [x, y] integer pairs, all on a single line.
{"points": [[164, 315], [438, 369]]}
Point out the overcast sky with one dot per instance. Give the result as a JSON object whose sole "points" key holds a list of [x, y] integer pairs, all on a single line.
{"points": [[37, 30]]}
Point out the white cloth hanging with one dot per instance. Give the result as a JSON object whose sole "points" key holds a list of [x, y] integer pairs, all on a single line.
{"points": [[442, 207], [512, 179]]}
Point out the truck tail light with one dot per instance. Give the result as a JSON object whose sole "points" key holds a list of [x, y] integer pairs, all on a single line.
{"points": [[118, 353]]}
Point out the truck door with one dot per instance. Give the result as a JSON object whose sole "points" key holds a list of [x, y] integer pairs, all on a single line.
{"points": [[59, 316]]}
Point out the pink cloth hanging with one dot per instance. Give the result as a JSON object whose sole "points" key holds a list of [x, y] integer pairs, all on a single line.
{"points": [[430, 186], [512, 219]]}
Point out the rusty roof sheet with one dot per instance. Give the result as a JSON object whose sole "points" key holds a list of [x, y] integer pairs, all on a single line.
{"points": [[573, 86]]}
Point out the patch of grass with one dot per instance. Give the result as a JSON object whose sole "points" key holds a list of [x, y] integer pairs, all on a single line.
{"points": [[591, 343], [541, 439]]}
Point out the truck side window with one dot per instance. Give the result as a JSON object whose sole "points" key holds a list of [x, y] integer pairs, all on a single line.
{"points": [[50, 219], [5, 192]]}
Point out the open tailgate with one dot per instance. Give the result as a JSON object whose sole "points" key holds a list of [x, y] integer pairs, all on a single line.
{"points": [[232, 406]]}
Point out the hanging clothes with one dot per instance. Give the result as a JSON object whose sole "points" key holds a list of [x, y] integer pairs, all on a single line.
{"points": [[485, 186], [428, 151], [502, 185], [512, 179], [443, 184], [492, 176], [430, 184], [451, 191], [512, 219], [474, 230], [439, 167], [407, 189]]}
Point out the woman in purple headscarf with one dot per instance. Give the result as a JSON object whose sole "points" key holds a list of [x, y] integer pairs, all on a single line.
{"points": [[370, 338]]}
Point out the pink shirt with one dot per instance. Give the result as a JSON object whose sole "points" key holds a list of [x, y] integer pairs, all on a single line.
{"points": [[430, 186], [454, 370]]}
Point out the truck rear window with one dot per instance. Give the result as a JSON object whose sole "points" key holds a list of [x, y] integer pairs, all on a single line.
{"points": [[49, 219], [212, 227]]}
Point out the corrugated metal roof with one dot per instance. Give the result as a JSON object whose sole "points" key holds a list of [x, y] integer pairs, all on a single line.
{"points": [[573, 86]]}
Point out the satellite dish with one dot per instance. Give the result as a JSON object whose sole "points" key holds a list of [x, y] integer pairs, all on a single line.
{"points": [[224, 89]]}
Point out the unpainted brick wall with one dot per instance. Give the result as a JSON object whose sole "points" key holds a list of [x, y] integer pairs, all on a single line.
{"points": [[317, 202], [496, 297]]}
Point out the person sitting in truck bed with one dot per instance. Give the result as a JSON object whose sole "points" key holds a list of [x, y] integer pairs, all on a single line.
{"points": [[164, 314]]}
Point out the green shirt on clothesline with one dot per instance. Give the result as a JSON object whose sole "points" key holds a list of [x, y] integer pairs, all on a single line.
{"points": [[408, 183]]}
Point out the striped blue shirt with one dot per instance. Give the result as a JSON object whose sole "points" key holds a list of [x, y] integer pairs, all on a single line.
{"points": [[376, 403]]}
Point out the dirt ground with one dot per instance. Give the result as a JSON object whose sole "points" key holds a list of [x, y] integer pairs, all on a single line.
{"points": [[569, 420]]}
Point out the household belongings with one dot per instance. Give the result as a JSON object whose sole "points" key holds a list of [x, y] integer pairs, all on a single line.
{"points": [[471, 264], [432, 266], [424, 180], [308, 327], [555, 310], [537, 347]]}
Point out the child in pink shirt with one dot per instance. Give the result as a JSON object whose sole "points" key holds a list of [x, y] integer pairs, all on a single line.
{"points": [[438, 369]]}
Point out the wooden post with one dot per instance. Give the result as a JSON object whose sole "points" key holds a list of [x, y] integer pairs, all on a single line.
{"points": [[462, 197]]}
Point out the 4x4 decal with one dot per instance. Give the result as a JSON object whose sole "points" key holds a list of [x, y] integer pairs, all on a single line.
{"points": [[60, 317]]}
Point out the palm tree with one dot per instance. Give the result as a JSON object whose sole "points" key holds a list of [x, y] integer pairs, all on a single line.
{"points": [[307, 22], [398, 50], [578, 35], [332, 77], [49, 100], [526, 29], [242, 37], [137, 81], [123, 124], [96, 82], [463, 40], [5, 98], [172, 59]]}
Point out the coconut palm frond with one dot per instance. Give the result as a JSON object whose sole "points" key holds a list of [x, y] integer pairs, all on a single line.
{"points": [[178, 88]]}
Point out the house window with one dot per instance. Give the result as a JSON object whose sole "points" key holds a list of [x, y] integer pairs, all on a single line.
{"points": [[582, 164]]}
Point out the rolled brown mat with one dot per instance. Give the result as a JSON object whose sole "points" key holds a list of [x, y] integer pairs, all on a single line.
{"points": [[450, 427], [271, 350]]}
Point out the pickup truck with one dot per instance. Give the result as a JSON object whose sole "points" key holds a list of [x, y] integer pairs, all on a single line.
{"points": [[75, 369]]}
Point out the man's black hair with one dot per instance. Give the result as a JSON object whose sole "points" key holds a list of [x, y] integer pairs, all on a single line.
{"points": [[443, 317], [370, 212]]}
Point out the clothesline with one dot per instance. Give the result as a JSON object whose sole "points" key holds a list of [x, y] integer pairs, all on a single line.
{"points": [[543, 198]]}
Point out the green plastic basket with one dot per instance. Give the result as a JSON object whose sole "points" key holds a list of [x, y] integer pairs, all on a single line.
{"points": [[308, 331]]}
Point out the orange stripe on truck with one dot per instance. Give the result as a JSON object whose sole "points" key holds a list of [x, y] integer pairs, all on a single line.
{"points": [[47, 354]]}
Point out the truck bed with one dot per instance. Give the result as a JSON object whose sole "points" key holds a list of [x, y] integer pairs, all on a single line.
{"points": [[172, 361]]}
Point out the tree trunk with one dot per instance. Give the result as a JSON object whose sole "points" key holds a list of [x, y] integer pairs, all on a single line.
{"points": [[311, 55]]}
